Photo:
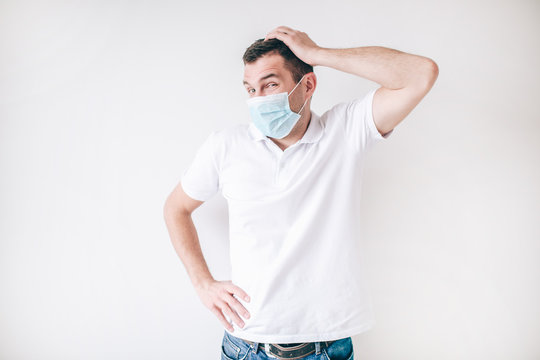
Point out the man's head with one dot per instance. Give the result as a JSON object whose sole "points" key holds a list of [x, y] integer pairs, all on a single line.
{"points": [[272, 68]]}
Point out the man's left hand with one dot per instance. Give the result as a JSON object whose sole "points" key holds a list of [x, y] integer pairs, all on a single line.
{"points": [[299, 43]]}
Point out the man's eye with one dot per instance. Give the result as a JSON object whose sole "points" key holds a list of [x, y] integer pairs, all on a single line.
{"points": [[251, 91], [272, 84]]}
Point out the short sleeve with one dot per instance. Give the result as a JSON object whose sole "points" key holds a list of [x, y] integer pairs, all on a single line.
{"points": [[359, 124], [201, 179]]}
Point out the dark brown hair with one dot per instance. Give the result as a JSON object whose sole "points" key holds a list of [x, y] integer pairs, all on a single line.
{"points": [[259, 48]]}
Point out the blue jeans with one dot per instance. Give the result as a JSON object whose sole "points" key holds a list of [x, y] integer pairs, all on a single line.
{"points": [[233, 348]]}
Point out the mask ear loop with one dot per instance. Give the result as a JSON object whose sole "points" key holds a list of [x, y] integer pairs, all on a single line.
{"points": [[294, 88], [302, 108]]}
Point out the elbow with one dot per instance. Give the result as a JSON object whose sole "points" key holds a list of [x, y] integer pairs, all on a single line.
{"points": [[173, 209], [431, 73], [426, 76], [170, 209], [167, 209]]}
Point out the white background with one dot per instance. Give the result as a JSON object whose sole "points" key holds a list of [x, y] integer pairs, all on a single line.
{"points": [[104, 103]]}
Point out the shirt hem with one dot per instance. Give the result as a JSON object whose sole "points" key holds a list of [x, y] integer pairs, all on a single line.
{"points": [[296, 338]]}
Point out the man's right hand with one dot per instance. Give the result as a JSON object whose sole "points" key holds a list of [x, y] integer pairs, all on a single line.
{"points": [[218, 297]]}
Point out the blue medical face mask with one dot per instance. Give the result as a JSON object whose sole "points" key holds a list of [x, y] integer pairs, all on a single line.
{"points": [[272, 115]]}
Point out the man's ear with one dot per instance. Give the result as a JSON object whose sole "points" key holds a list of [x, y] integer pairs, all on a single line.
{"points": [[311, 83]]}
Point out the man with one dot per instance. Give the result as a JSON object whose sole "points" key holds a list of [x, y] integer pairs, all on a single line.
{"points": [[292, 179]]}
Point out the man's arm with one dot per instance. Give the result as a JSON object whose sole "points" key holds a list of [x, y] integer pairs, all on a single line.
{"points": [[177, 214], [404, 78], [215, 295]]}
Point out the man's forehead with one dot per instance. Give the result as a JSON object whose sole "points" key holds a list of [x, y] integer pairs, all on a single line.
{"points": [[263, 75], [264, 67]]}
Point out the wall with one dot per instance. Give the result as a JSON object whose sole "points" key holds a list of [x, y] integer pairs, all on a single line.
{"points": [[104, 103]]}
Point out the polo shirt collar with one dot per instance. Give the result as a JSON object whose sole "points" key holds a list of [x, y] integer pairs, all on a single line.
{"points": [[312, 134]]}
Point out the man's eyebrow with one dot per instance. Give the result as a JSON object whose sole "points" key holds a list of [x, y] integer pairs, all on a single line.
{"points": [[263, 78]]}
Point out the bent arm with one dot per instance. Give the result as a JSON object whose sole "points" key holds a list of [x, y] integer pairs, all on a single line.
{"points": [[404, 78], [177, 214]]}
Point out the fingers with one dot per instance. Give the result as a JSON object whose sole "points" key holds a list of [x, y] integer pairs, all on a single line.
{"points": [[238, 307], [233, 301], [280, 33], [285, 29], [217, 311], [226, 303], [231, 314], [238, 292], [275, 35]]}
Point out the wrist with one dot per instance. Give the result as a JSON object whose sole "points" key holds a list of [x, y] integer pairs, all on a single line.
{"points": [[320, 56], [202, 283]]}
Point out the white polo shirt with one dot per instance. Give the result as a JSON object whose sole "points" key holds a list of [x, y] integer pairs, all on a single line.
{"points": [[294, 236]]}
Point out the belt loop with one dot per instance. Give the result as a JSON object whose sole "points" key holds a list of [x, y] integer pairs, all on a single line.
{"points": [[255, 347], [318, 347]]}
